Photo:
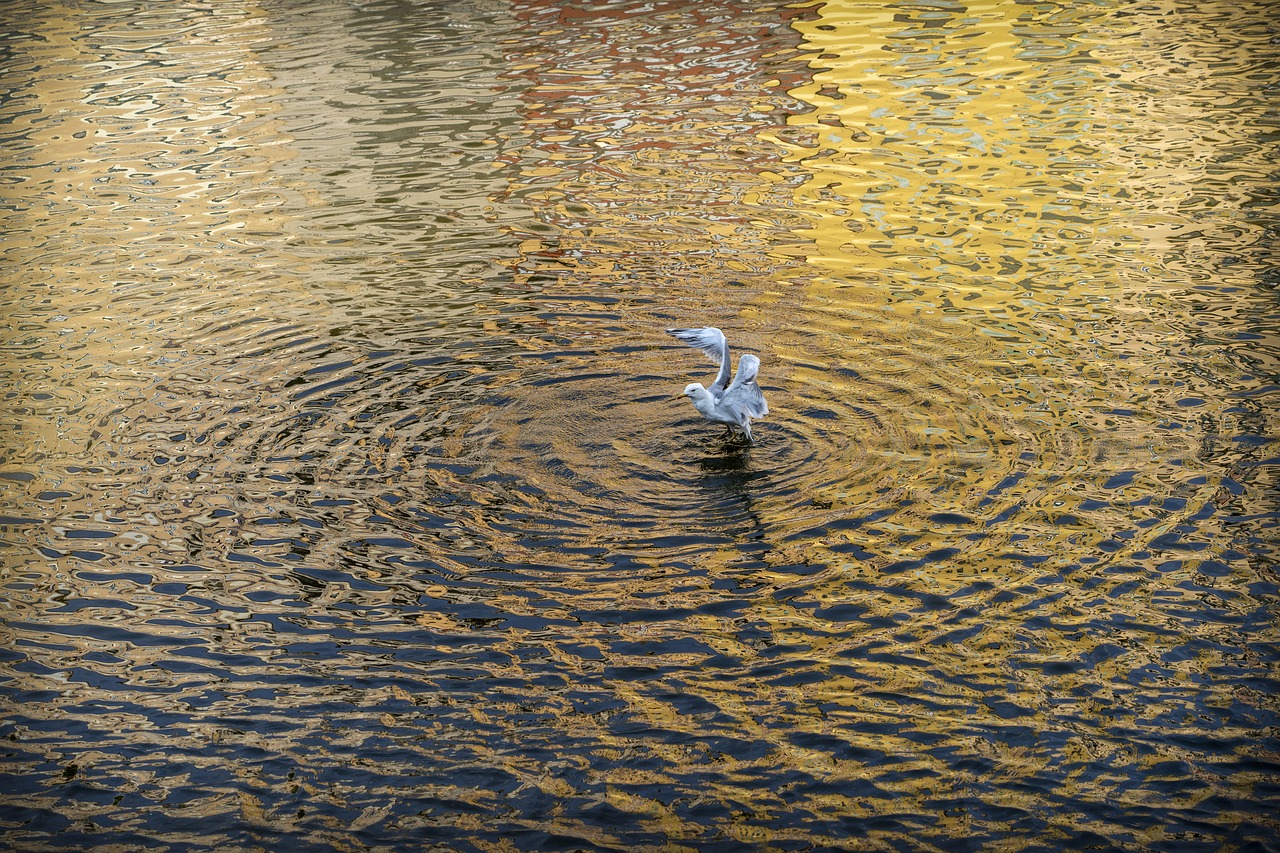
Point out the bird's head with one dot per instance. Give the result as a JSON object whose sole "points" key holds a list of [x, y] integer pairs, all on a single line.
{"points": [[694, 390]]}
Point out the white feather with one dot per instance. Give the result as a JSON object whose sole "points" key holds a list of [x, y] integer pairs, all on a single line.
{"points": [[731, 403]]}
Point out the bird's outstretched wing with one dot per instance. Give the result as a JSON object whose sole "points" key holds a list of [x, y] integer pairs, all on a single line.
{"points": [[744, 392], [710, 340]]}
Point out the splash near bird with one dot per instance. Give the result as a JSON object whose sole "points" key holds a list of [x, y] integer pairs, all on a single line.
{"points": [[734, 403]]}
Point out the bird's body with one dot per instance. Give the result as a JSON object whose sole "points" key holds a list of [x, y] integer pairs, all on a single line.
{"points": [[734, 403]]}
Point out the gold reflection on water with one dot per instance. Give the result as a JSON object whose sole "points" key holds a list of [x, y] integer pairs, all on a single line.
{"points": [[141, 161], [998, 229], [145, 193]]}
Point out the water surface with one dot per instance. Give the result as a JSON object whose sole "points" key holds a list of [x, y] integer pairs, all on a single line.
{"points": [[347, 504]]}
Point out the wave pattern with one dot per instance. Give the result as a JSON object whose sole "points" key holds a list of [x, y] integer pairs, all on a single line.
{"points": [[348, 504]]}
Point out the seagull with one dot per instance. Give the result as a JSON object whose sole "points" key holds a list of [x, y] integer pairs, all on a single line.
{"points": [[734, 403]]}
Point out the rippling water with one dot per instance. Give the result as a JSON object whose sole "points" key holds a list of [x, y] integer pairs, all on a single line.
{"points": [[346, 504]]}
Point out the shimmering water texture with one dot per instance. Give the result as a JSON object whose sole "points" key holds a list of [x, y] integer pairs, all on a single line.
{"points": [[349, 503]]}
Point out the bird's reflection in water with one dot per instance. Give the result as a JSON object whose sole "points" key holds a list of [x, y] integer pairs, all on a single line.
{"points": [[728, 477]]}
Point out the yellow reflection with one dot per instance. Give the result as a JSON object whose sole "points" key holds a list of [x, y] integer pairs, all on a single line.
{"points": [[986, 202], [156, 164], [936, 152]]}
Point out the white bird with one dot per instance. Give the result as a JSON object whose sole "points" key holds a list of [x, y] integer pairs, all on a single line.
{"points": [[734, 403]]}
